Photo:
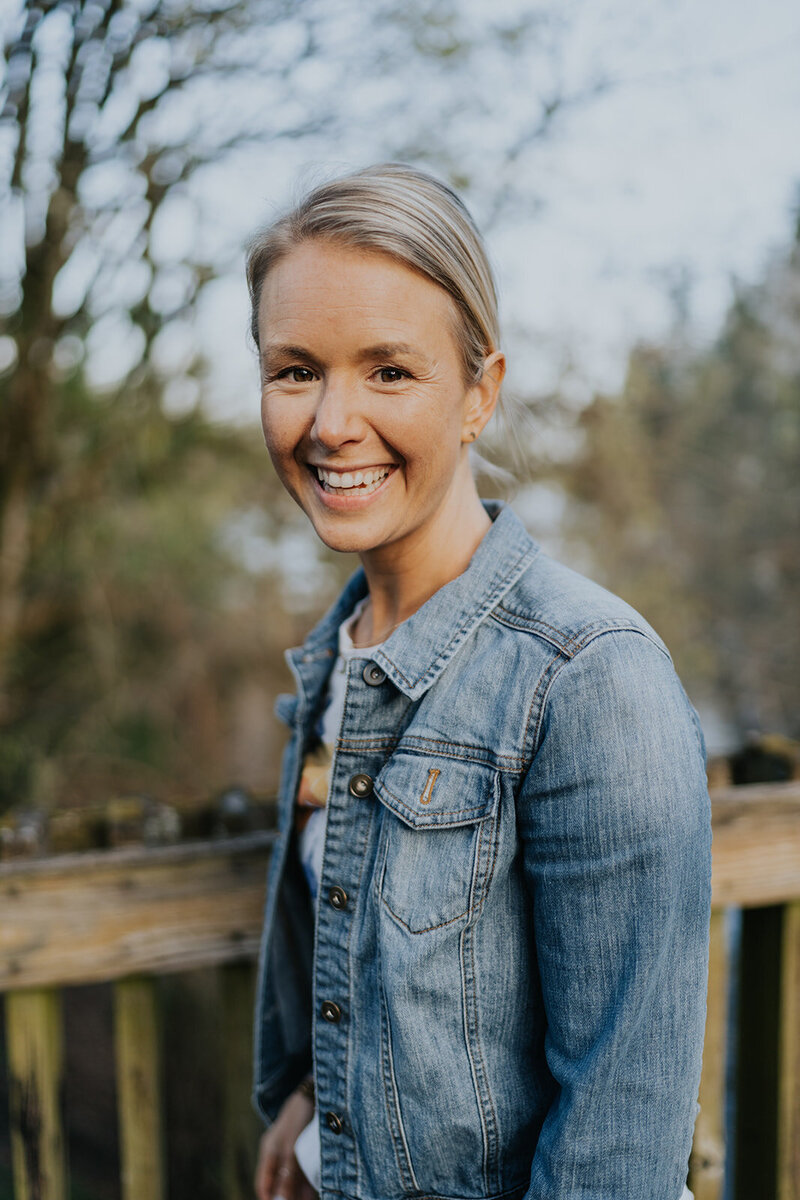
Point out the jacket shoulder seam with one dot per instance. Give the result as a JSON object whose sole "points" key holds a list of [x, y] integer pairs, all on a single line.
{"points": [[569, 644], [549, 676]]}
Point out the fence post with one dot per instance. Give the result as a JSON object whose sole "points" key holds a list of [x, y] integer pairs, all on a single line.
{"points": [[789, 1057], [240, 1125], [707, 1161], [35, 1060], [757, 1054], [138, 1062]]}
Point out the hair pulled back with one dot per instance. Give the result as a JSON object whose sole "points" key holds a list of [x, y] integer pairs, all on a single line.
{"points": [[403, 212]]}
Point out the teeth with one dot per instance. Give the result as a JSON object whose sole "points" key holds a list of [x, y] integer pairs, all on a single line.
{"points": [[366, 481]]}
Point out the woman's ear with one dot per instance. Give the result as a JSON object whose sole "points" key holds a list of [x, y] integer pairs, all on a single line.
{"points": [[481, 398]]}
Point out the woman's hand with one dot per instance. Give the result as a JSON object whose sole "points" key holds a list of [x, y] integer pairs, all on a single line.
{"points": [[278, 1176]]}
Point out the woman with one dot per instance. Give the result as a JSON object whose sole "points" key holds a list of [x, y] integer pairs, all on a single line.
{"points": [[485, 941]]}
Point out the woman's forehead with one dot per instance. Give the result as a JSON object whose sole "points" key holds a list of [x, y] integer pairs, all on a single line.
{"points": [[326, 288]]}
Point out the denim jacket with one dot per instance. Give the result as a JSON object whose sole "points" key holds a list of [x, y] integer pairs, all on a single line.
{"points": [[502, 989]]}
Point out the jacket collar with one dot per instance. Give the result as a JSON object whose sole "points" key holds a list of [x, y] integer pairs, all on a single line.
{"points": [[418, 651]]}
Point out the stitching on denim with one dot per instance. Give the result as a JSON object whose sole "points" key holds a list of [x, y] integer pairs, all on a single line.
{"points": [[540, 696], [390, 1090], [467, 754], [468, 1038], [367, 743], [593, 632], [598, 633], [530, 624], [583, 636], [428, 928], [416, 742], [470, 814], [473, 619], [490, 866], [417, 746], [483, 1062], [471, 909]]}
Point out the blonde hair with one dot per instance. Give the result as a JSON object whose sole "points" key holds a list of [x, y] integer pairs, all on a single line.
{"points": [[406, 213]]}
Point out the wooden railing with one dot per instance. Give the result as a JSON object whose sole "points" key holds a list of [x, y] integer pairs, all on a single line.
{"points": [[125, 915], [756, 868]]}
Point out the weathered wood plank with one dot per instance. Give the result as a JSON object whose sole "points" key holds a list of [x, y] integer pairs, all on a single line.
{"points": [[35, 1061], [707, 1161], [789, 1057], [240, 1126], [756, 845], [136, 1042], [102, 916]]}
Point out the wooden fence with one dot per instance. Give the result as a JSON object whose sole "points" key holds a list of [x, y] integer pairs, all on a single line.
{"points": [[125, 915]]}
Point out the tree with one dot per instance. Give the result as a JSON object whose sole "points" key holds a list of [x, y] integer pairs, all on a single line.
{"points": [[688, 490], [118, 122], [119, 559], [112, 567]]}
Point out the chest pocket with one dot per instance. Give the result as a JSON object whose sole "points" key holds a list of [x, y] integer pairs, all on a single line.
{"points": [[436, 839]]}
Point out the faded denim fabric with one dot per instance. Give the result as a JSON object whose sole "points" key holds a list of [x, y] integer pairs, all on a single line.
{"points": [[513, 917]]}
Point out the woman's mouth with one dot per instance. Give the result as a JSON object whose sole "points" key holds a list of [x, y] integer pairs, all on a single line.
{"points": [[351, 483]]}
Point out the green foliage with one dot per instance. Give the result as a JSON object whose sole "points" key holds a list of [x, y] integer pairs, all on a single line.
{"points": [[688, 490], [139, 619]]}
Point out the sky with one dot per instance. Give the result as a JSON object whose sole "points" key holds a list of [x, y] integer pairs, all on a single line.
{"points": [[672, 167], [682, 174]]}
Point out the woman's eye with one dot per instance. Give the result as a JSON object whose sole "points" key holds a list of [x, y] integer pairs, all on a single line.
{"points": [[296, 374], [391, 374]]}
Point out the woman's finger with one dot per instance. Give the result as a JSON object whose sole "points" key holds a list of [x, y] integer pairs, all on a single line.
{"points": [[266, 1170], [284, 1186]]}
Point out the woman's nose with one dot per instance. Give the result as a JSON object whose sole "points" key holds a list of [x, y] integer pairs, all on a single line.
{"points": [[338, 417]]}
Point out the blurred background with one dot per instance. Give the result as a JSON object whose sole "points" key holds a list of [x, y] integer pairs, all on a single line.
{"points": [[636, 171]]}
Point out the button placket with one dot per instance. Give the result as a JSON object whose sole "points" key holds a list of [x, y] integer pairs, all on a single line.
{"points": [[350, 818]]}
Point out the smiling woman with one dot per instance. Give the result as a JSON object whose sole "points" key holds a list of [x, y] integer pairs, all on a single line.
{"points": [[366, 415], [483, 965]]}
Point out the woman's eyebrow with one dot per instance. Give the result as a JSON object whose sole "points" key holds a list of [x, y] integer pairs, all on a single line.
{"points": [[271, 351], [275, 352], [389, 350]]}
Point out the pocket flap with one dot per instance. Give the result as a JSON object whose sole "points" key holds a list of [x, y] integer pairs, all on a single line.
{"points": [[428, 792]]}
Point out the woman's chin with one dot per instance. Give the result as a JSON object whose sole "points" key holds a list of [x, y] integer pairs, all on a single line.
{"points": [[345, 541]]}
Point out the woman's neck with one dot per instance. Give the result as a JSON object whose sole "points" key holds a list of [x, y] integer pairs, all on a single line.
{"points": [[402, 577]]}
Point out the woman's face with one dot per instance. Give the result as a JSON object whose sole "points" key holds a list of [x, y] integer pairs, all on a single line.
{"points": [[364, 408]]}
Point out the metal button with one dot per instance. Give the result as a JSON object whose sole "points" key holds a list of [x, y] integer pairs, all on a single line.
{"points": [[333, 1122], [337, 898], [373, 674], [361, 785], [331, 1012]]}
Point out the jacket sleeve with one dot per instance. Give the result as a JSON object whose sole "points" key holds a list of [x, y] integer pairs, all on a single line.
{"points": [[614, 817]]}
